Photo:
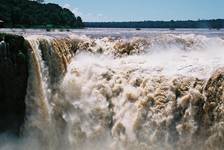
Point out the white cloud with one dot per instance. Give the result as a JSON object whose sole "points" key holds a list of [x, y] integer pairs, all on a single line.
{"points": [[77, 12], [68, 6], [85, 16]]}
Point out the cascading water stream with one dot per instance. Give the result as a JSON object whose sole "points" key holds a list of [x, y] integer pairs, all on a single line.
{"points": [[38, 96], [125, 94]]}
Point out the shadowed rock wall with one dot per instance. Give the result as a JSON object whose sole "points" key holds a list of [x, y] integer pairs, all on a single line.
{"points": [[13, 82]]}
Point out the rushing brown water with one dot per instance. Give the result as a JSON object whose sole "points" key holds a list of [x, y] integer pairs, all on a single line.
{"points": [[138, 93]]}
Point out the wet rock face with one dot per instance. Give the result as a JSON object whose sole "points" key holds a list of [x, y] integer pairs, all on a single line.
{"points": [[13, 83]]}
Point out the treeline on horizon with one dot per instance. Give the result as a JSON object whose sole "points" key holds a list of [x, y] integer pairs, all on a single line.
{"points": [[211, 24], [36, 14]]}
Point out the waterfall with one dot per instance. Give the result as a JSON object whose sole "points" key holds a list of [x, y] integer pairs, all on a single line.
{"points": [[38, 96], [44, 70], [122, 94]]}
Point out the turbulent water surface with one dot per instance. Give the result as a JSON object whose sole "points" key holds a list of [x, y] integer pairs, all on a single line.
{"points": [[121, 89]]}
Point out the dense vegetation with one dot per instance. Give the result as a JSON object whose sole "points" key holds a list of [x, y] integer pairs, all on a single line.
{"points": [[218, 24], [34, 14]]}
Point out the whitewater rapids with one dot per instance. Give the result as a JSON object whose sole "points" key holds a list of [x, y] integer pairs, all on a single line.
{"points": [[113, 93]]}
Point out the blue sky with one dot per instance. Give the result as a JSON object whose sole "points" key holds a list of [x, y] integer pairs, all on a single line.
{"points": [[137, 10]]}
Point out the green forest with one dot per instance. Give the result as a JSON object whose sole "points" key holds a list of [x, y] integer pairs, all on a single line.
{"points": [[36, 14]]}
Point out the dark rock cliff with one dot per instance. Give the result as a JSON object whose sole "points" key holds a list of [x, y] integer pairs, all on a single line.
{"points": [[13, 82]]}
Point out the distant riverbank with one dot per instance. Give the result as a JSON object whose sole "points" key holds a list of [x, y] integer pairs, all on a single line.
{"points": [[211, 24]]}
